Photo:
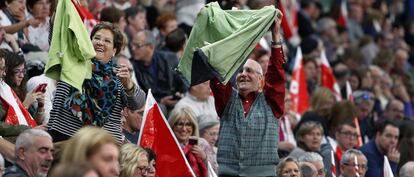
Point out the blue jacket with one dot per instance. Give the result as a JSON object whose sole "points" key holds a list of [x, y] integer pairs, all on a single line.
{"points": [[376, 160]]}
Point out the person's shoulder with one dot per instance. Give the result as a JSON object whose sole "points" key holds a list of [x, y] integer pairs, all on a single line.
{"points": [[14, 171]]}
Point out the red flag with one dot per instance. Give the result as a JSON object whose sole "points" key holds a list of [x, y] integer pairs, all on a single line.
{"points": [[327, 78], [289, 23], [359, 143], [157, 135], [86, 16], [343, 15], [387, 168], [298, 88], [333, 168]]}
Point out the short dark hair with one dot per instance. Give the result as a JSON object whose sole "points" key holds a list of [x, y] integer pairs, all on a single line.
{"points": [[118, 36], [111, 14], [176, 40], [382, 125], [132, 11]]}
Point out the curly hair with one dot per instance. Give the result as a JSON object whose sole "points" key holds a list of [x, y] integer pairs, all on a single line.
{"points": [[119, 42]]}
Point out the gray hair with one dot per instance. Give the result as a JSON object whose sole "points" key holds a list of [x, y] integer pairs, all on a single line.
{"points": [[25, 139], [307, 168], [149, 37], [310, 157], [406, 169], [1, 161], [349, 154]]}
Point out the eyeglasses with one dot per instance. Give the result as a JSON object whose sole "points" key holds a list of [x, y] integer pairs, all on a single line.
{"points": [[360, 166], [136, 45], [350, 134], [102, 40], [321, 171], [182, 124], [19, 71], [249, 70], [214, 134]]}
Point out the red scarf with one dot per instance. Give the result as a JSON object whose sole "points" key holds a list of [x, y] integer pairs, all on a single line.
{"points": [[11, 116], [197, 165]]}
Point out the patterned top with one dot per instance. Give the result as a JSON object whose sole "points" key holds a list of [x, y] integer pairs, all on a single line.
{"points": [[63, 121]]}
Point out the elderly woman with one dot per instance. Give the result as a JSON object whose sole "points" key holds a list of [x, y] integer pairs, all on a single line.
{"points": [[288, 167], [309, 139], [182, 121], [134, 161], [93, 146], [104, 95], [209, 130]]}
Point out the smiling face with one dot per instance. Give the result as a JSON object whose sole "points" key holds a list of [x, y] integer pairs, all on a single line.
{"points": [[249, 78], [183, 129], [103, 43]]}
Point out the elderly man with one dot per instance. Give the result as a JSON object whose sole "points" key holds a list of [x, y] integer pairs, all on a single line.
{"points": [[352, 162], [384, 144], [34, 154], [249, 135], [407, 170], [316, 160]]}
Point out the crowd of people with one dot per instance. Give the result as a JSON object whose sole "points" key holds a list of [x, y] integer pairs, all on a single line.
{"points": [[75, 107]]}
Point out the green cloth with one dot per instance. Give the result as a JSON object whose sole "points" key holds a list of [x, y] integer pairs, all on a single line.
{"points": [[221, 41], [71, 50]]}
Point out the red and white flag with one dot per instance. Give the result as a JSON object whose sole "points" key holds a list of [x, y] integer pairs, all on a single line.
{"points": [[327, 78], [359, 139], [356, 167], [343, 14], [298, 87], [289, 9], [86, 16], [349, 92], [387, 168], [157, 135], [333, 168]]}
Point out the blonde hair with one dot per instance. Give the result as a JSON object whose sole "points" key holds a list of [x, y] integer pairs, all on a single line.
{"points": [[320, 99], [282, 165], [184, 113], [130, 156], [85, 143]]}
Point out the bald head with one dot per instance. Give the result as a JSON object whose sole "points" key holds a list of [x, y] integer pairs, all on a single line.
{"points": [[407, 170]]}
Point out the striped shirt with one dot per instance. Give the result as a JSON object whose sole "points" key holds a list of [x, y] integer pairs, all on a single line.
{"points": [[65, 122]]}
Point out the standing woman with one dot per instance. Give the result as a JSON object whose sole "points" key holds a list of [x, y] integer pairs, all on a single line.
{"points": [[40, 10], [103, 96]]}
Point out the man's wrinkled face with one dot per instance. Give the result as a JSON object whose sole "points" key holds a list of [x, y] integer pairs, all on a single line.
{"points": [[38, 158], [249, 78]]}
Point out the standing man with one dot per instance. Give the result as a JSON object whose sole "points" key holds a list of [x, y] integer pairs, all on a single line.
{"points": [[384, 144], [249, 135], [34, 154]]}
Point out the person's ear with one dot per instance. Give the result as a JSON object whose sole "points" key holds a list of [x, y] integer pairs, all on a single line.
{"points": [[20, 153], [261, 83]]}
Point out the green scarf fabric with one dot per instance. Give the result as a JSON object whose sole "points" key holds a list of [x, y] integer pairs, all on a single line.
{"points": [[221, 41], [71, 50]]}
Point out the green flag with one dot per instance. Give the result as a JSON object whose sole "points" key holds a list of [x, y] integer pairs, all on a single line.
{"points": [[221, 41], [71, 50]]}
